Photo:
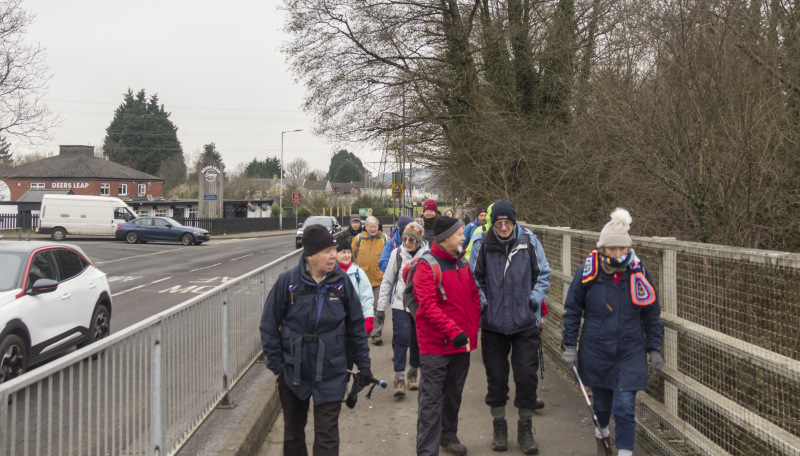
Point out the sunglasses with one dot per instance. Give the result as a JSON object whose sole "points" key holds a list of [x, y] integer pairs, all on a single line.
{"points": [[409, 240]]}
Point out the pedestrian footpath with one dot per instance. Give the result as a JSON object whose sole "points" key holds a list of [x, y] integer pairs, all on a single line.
{"points": [[386, 426]]}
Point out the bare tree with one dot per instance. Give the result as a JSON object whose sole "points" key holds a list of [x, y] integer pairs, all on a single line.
{"points": [[297, 168], [23, 76]]}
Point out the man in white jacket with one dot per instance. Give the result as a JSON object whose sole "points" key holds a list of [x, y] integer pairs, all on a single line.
{"points": [[392, 288]]}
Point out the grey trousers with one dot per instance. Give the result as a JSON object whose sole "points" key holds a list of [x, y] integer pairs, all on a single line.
{"points": [[377, 325], [441, 384]]}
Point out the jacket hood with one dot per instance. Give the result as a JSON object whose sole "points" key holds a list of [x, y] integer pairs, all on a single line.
{"points": [[488, 223]]}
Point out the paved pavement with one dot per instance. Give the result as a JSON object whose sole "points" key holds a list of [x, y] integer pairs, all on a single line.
{"points": [[387, 426]]}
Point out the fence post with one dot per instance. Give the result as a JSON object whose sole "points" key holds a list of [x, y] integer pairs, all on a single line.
{"points": [[226, 400], [263, 277], [158, 394], [669, 305], [566, 264]]}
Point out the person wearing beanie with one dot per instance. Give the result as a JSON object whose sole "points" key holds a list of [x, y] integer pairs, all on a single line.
{"points": [[480, 219], [404, 331], [367, 248], [395, 241], [429, 214], [513, 277], [303, 317], [447, 330], [612, 293], [354, 229]]}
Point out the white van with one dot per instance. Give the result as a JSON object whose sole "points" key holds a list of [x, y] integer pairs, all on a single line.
{"points": [[82, 215]]}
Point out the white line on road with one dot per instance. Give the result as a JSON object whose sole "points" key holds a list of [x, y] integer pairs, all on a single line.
{"points": [[137, 256], [140, 286], [239, 258], [206, 267]]}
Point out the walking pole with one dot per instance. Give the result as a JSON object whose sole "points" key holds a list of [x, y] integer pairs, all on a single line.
{"points": [[589, 403]]}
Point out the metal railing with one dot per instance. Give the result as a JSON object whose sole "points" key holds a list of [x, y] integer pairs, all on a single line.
{"points": [[147, 388], [731, 317]]}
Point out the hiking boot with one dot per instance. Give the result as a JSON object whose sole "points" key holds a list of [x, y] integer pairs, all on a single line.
{"points": [[602, 450], [413, 379], [500, 440], [376, 340], [454, 448], [525, 437], [399, 387]]}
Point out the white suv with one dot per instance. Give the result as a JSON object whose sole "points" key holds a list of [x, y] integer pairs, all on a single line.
{"points": [[52, 298]]}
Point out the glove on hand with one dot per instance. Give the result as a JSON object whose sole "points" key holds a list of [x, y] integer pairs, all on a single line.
{"points": [[570, 356], [656, 361], [380, 315], [534, 305], [368, 323], [461, 339], [365, 375]]}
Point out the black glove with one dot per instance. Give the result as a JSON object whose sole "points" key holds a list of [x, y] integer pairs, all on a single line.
{"points": [[365, 375], [461, 339], [380, 315], [534, 305]]}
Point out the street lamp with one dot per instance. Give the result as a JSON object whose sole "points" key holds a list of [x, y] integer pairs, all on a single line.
{"points": [[280, 198]]}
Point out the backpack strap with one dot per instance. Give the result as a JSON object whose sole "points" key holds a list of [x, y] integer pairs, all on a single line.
{"points": [[437, 272], [399, 263]]}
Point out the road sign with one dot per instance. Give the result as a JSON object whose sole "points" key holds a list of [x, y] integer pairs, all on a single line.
{"points": [[397, 191], [296, 198], [210, 197]]}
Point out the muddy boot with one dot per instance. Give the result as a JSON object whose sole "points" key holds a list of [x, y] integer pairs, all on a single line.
{"points": [[413, 379], [399, 387], [525, 437], [500, 440], [605, 447]]}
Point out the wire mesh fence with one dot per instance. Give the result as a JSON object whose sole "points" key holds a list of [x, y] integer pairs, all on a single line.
{"points": [[731, 384]]}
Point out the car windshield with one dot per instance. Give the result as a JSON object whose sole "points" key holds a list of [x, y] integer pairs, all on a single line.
{"points": [[172, 222], [9, 269], [325, 221]]}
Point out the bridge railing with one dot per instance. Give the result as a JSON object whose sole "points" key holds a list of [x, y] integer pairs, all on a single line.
{"points": [[731, 384], [145, 389]]}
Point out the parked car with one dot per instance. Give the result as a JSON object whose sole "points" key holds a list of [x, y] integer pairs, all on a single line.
{"points": [[81, 214], [160, 229], [52, 298], [327, 221]]}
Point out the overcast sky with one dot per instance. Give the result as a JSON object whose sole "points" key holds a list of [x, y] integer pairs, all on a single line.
{"points": [[216, 66]]}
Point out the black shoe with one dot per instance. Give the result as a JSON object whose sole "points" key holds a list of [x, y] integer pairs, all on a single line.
{"points": [[539, 404], [454, 448], [525, 437], [500, 440]]}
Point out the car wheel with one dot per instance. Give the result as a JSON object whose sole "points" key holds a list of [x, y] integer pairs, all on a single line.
{"points": [[197, 243], [100, 326], [187, 239], [131, 237], [58, 234], [298, 246], [12, 358]]}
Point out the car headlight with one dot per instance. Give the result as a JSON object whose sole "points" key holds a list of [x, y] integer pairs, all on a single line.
{"points": [[199, 233], [299, 233]]}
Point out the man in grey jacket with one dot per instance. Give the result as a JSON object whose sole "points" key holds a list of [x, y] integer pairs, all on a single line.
{"points": [[513, 276]]}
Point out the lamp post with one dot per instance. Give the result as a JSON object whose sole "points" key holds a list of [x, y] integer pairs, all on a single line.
{"points": [[280, 198]]}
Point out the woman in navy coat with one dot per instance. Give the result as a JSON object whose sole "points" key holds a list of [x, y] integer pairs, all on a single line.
{"points": [[614, 295]]}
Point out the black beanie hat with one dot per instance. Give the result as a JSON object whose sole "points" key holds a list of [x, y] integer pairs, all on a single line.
{"points": [[481, 209], [444, 227], [344, 243], [316, 238], [503, 210]]}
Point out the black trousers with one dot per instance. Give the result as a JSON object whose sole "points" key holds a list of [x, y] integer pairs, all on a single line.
{"points": [[524, 349], [441, 384], [295, 417]]}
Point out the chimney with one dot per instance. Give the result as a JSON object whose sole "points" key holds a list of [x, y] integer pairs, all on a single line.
{"points": [[76, 150]]}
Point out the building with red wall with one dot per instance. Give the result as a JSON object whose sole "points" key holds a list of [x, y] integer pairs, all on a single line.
{"points": [[76, 168]]}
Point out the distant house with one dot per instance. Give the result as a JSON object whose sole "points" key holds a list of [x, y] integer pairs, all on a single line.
{"points": [[76, 169], [323, 186], [346, 189]]}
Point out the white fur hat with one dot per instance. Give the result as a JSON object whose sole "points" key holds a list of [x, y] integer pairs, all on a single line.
{"points": [[615, 233]]}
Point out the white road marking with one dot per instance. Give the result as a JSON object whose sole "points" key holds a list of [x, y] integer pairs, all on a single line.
{"points": [[205, 267], [239, 258], [140, 286], [138, 256]]}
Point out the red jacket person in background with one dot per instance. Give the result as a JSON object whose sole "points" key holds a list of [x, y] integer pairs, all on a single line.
{"points": [[447, 330]]}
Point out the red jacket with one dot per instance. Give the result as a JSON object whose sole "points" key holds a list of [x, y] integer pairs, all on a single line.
{"points": [[439, 321]]}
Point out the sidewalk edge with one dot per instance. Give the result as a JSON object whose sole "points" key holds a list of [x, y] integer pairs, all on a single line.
{"points": [[255, 427]]}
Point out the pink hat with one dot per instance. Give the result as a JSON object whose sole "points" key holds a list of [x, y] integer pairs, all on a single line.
{"points": [[430, 204]]}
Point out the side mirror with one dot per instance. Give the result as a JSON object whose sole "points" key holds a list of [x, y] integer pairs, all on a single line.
{"points": [[43, 286], [299, 225]]}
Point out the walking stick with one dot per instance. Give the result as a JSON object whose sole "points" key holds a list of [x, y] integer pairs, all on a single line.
{"points": [[589, 403]]}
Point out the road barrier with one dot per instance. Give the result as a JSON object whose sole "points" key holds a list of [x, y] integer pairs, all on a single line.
{"points": [[147, 388], [731, 317]]}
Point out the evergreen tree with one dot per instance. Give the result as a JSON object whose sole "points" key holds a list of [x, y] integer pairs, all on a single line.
{"points": [[267, 168], [141, 135], [6, 160], [345, 167]]}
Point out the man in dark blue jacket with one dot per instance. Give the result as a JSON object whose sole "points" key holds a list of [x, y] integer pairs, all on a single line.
{"points": [[513, 277], [309, 313]]}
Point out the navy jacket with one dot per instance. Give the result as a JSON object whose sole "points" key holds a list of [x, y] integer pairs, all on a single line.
{"points": [[314, 327], [512, 286], [616, 333]]}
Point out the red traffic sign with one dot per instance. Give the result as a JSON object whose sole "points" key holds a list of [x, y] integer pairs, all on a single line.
{"points": [[296, 197]]}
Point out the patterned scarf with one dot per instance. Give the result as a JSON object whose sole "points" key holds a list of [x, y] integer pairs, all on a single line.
{"points": [[612, 265]]}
